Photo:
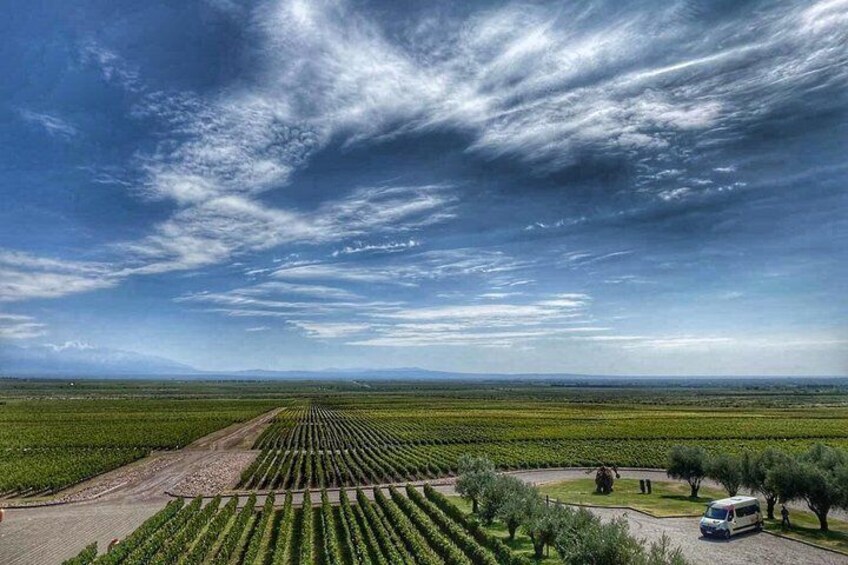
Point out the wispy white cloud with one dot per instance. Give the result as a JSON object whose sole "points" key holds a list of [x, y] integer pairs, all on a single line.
{"points": [[329, 330], [24, 276], [390, 247], [491, 325], [551, 83], [75, 345], [53, 125], [17, 326]]}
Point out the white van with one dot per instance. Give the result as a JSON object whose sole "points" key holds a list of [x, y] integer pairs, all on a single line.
{"points": [[730, 516]]}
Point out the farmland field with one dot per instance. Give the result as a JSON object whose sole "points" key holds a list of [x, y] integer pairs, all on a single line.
{"points": [[345, 434], [398, 526], [48, 444], [360, 437], [357, 439]]}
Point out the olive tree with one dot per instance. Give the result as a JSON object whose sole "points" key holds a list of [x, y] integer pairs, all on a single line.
{"points": [[726, 470], [601, 543], [475, 475], [817, 477], [755, 469], [688, 463], [543, 523], [507, 499]]}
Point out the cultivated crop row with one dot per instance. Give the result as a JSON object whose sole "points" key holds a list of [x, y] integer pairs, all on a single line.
{"points": [[45, 446], [396, 527], [317, 446]]}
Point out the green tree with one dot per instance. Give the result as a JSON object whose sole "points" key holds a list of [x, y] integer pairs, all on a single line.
{"points": [[755, 468], [475, 475], [687, 463], [543, 523], [661, 553], [726, 470], [817, 477], [504, 498], [600, 544]]}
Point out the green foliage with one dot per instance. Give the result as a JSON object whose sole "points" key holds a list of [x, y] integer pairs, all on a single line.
{"points": [[414, 542], [817, 477], [211, 534], [755, 468], [420, 528], [542, 523], [453, 530], [348, 440], [476, 474], [390, 545], [726, 470], [258, 547], [688, 463], [84, 557], [49, 445], [175, 545], [307, 539], [443, 545], [498, 548], [332, 551], [141, 534], [285, 529], [661, 553], [355, 541], [509, 500]]}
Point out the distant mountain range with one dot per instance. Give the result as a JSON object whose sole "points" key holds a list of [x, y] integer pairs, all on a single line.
{"points": [[81, 360]]}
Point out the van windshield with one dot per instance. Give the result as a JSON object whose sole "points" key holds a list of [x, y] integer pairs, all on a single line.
{"points": [[716, 513]]}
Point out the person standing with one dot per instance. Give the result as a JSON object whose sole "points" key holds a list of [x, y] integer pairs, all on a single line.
{"points": [[784, 514]]}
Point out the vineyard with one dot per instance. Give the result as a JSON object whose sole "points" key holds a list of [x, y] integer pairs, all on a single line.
{"points": [[397, 526], [48, 445], [347, 440], [338, 435]]}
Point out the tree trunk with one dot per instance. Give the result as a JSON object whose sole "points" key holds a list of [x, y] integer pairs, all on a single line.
{"points": [[770, 502], [474, 505], [822, 516], [694, 487], [539, 549], [511, 528]]}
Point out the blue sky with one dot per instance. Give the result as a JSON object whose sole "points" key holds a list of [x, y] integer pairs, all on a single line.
{"points": [[592, 187]]}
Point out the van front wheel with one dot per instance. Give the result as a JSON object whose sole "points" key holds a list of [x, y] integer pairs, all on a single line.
{"points": [[726, 535]]}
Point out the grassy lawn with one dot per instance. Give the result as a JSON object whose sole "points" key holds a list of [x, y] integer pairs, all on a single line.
{"points": [[667, 498], [521, 544], [805, 527]]}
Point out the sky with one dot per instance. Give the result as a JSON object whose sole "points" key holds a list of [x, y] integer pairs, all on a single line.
{"points": [[600, 187]]}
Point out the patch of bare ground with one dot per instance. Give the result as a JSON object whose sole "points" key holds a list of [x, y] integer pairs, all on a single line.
{"points": [[218, 473]]}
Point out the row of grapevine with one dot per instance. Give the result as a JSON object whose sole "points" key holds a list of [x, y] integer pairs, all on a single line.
{"points": [[318, 446], [48, 446], [392, 529]]}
